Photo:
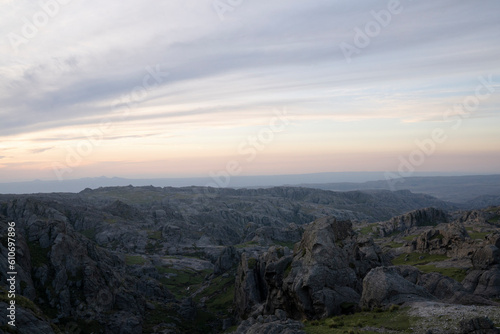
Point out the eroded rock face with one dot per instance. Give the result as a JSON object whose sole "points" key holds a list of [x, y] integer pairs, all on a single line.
{"points": [[322, 278], [70, 276], [421, 217], [450, 239]]}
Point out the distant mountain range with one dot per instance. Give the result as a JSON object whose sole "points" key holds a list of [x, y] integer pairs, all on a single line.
{"points": [[468, 190], [474, 190]]}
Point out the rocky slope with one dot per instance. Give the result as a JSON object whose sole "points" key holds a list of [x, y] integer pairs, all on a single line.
{"points": [[197, 260]]}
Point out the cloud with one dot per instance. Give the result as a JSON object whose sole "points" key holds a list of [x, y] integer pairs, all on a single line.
{"points": [[230, 73], [41, 150]]}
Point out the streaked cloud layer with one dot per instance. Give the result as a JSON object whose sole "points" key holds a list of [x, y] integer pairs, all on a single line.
{"points": [[179, 90]]}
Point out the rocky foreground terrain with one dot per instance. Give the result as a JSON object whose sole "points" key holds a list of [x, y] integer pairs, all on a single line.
{"points": [[277, 260]]}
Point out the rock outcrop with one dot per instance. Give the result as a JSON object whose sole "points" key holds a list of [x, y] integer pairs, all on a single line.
{"points": [[228, 259], [322, 278], [480, 325], [416, 218], [70, 277], [384, 286], [450, 239]]}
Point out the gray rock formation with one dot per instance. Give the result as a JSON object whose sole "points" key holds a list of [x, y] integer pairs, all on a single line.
{"points": [[228, 259], [28, 321], [450, 239], [69, 277], [384, 286], [484, 283], [416, 218], [486, 257], [322, 278], [480, 325]]}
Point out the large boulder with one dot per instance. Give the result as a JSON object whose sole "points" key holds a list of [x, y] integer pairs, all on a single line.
{"points": [[384, 286], [398, 285], [484, 283], [485, 257]]}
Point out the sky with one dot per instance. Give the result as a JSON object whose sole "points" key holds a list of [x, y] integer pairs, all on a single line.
{"points": [[216, 88]]}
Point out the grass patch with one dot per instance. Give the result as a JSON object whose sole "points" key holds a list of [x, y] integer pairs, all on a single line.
{"points": [[246, 244], [219, 294], [476, 235], [494, 220], [409, 237], [179, 281], [162, 314], [394, 244], [90, 233], [414, 259], [396, 320], [367, 229], [155, 235], [456, 273], [132, 260]]}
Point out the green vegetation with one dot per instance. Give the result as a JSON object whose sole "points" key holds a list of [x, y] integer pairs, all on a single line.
{"points": [[252, 263], [132, 260], [367, 229], [476, 235], [285, 244], [410, 237], [494, 220], [179, 280], [246, 244], [20, 301], [421, 262], [152, 248], [457, 274], [155, 235], [396, 319], [394, 244], [220, 294], [90, 233], [39, 256], [414, 259]]}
